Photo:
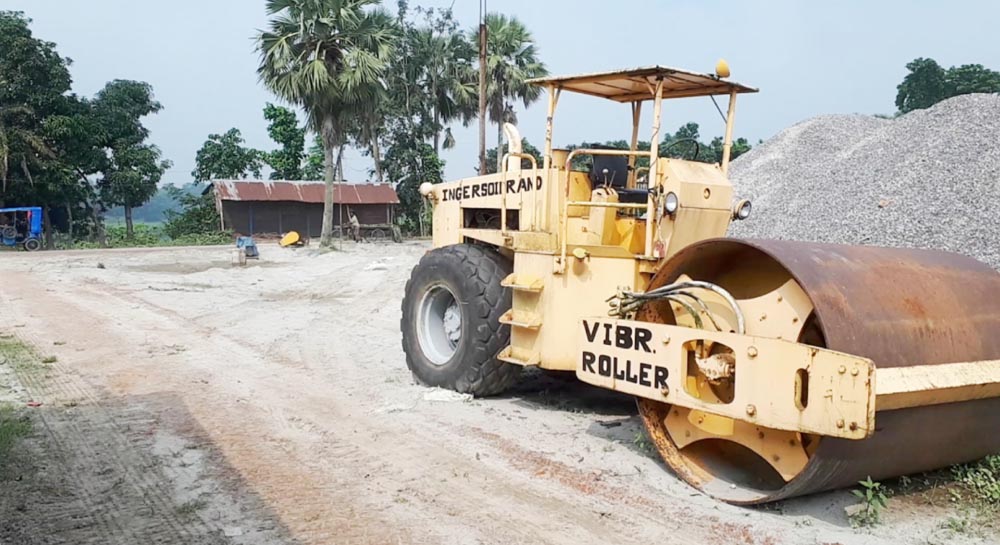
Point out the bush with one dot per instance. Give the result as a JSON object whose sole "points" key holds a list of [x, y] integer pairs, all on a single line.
{"points": [[982, 480], [198, 216], [143, 235], [146, 236]]}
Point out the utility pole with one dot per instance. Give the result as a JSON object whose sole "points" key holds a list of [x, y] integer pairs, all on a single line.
{"points": [[482, 88]]}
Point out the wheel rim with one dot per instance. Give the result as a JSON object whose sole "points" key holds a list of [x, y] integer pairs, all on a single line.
{"points": [[732, 460], [439, 324]]}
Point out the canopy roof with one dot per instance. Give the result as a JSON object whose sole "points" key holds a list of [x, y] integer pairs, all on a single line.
{"points": [[638, 84]]}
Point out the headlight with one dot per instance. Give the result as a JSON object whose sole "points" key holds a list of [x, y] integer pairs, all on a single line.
{"points": [[742, 209], [670, 203]]}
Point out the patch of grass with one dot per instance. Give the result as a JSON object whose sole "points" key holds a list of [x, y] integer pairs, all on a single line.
{"points": [[873, 502], [642, 443], [19, 356], [959, 525], [13, 425], [981, 483], [50, 359]]}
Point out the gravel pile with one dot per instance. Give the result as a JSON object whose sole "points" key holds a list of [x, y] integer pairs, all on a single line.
{"points": [[928, 179]]}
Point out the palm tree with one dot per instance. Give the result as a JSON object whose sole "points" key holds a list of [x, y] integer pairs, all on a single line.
{"points": [[511, 58], [325, 56], [449, 79]]}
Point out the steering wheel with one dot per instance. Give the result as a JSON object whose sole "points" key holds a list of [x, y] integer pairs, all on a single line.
{"points": [[697, 146]]}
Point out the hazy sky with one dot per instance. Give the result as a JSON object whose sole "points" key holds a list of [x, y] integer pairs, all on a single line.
{"points": [[808, 58]]}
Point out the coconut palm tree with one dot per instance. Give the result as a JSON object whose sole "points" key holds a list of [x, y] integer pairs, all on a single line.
{"points": [[325, 56], [511, 58]]}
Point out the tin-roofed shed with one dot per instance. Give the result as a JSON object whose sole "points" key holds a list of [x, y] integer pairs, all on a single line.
{"points": [[277, 206]]}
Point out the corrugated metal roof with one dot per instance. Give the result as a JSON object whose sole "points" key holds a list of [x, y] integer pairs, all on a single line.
{"points": [[303, 191], [637, 84]]}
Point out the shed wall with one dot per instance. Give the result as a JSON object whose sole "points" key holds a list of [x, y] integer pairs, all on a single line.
{"points": [[274, 217]]}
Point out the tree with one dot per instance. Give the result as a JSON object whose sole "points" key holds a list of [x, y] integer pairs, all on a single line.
{"points": [[33, 82], [685, 143], [526, 147], [448, 76], [135, 168], [197, 216], [324, 55], [927, 83], [511, 59], [411, 161], [283, 128], [133, 178], [120, 106], [313, 167], [923, 87], [223, 157]]}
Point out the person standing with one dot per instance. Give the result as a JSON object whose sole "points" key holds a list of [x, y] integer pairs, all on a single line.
{"points": [[355, 227]]}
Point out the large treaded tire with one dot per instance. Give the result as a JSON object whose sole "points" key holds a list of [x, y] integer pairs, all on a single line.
{"points": [[472, 274]]}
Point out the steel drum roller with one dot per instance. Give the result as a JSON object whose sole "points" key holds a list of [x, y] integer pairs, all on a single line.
{"points": [[897, 307]]}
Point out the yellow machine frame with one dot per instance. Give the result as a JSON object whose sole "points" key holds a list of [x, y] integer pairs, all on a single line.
{"points": [[574, 244]]}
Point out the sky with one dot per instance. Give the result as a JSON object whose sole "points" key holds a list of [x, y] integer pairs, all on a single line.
{"points": [[808, 58]]}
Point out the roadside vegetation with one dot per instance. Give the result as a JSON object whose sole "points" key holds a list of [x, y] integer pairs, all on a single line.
{"points": [[14, 420], [971, 490], [14, 424]]}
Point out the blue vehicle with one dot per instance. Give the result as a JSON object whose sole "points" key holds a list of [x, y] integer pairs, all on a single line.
{"points": [[21, 227]]}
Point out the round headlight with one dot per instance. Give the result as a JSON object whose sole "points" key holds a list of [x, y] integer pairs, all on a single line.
{"points": [[742, 209], [670, 203]]}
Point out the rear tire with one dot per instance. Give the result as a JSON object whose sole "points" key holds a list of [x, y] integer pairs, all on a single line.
{"points": [[451, 320], [32, 244]]}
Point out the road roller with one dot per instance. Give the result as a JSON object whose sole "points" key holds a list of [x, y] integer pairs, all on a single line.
{"points": [[763, 369]]}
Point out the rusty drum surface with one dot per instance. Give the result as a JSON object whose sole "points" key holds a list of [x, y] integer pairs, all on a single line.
{"points": [[898, 307]]}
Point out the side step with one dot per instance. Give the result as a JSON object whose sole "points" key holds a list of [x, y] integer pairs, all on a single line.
{"points": [[522, 319], [507, 355], [523, 282]]}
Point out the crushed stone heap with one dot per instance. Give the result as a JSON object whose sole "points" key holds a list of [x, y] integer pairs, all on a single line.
{"points": [[927, 179]]}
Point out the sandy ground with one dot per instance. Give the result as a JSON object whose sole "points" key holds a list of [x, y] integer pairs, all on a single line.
{"points": [[195, 402]]}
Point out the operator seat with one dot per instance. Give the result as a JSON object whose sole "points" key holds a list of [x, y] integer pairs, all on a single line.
{"points": [[612, 170]]}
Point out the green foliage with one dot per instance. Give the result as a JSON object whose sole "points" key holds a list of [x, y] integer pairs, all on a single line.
{"points": [[927, 83], [13, 426], [120, 107], [223, 157], [411, 161], [329, 57], [155, 210], [283, 128], [436, 81], [33, 82], [982, 481], [873, 502], [511, 60], [198, 214], [147, 236], [526, 147], [685, 144], [313, 167], [133, 177]]}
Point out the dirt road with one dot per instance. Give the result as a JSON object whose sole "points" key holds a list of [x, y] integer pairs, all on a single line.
{"points": [[195, 402]]}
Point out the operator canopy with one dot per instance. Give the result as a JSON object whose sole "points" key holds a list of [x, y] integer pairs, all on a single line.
{"points": [[638, 84]]}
